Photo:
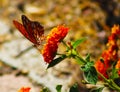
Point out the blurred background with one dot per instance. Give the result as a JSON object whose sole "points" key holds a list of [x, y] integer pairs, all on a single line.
{"points": [[92, 19]]}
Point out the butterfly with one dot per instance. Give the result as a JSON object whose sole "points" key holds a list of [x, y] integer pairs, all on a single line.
{"points": [[32, 30]]}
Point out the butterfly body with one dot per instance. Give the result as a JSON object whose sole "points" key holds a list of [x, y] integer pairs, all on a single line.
{"points": [[32, 30]]}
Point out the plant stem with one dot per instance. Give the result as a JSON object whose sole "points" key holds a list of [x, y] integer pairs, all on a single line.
{"points": [[64, 43], [102, 76], [115, 85], [111, 83], [24, 51], [80, 59]]}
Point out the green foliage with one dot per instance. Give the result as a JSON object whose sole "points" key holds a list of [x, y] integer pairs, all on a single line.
{"points": [[58, 88], [79, 60], [45, 89], [97, 89], [114, 74], [90, 73], [56, 61], [87, 58], [76, 43], [74, 88], [87, 66]]}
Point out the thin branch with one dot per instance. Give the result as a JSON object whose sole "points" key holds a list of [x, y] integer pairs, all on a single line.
{"points": [[24, 51]]}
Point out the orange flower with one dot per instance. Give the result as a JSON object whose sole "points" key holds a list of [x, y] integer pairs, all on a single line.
{"points": [[115, 29], [50, 48], [101, 68], [110, 54], [118, 66], [24, 89]]}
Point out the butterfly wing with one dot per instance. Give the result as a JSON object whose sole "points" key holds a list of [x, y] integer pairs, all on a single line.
{"points": [[27, 25], [38, 31], [21, 28], [34, 29]]}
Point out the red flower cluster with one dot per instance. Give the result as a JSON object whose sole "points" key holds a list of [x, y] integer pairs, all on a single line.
{"points": [[23, 89], [110, 55], [53, 39]]}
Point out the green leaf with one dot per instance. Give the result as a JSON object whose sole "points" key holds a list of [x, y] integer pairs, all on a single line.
{"points": [[87, 66], [58, 88], [45, 90], [90, 73], [87, 58], [97, 89], [74, 88], [114, 73], [79, 60], [56, 61], [76, 43]]}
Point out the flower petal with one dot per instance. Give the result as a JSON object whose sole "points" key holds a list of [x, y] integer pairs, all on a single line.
{"points": [[53, 39]]}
